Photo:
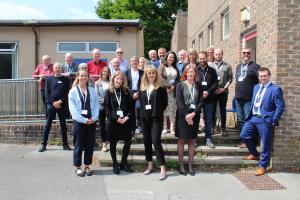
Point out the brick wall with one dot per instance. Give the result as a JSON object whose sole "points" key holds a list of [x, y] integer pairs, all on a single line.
{"points": [[277, 23], [179, 36]]}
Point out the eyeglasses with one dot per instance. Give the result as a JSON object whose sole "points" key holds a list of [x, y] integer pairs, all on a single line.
{"points": [[247, 53]]}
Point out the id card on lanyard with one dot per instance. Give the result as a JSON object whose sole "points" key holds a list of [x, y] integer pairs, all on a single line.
{"points": [[204, 82], [192, 94], [84, 111], [119, 112], [148, 106], [243, 73]]}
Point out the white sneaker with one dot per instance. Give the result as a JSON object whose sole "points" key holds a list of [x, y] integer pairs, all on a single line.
{"points": [[164, 131]]}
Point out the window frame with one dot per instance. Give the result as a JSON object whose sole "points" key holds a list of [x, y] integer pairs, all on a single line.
{"points": [[211, 29], [224, 14], [87, 46], [201, 41], [11, 49]]}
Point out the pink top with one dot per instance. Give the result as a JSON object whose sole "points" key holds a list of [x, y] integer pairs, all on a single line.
{"points": [[42, 69]]}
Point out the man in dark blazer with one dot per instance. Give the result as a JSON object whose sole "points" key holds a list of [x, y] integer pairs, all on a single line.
{"points": [[267, 107], [134, 77]]}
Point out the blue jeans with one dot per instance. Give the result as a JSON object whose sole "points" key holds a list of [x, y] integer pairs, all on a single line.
{"points": [[208, 111], [249, 132], [243, 109], [50, 113]]}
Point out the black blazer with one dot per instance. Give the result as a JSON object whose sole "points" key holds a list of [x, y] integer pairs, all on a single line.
{"points": [[111, 104], [181, 107], [129, 80], [158, 101]]}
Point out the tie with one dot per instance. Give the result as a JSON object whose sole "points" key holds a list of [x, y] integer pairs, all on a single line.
{"points": [[259, 94]]}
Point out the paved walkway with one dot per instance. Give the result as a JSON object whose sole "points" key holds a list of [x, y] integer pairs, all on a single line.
{"points": [[27, 174]]}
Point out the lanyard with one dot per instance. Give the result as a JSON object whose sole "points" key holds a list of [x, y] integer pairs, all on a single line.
{"points": [[191, 91], [148, 96], [219, 68], [244, 70], [82, 96], [204, 75], [118, 99]]}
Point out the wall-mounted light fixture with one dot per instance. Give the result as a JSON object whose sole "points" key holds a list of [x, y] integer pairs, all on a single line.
{"points": [[118, 29], [245, 14]]}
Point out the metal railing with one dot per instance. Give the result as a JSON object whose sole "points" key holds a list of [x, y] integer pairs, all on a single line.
{"points": [[20, 97]]}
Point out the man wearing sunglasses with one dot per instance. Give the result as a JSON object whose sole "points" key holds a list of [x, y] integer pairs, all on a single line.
{"points": [[246, 78]]}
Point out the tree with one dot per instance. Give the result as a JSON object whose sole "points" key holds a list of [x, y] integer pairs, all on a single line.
{"points": [[154, 14]]}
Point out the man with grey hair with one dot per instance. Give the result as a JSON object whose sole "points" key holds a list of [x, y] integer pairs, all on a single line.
{"points": [[115, 66], [124, 66], [181, 60], [69, 68], [162, 52], [56, 95], [96, 66], [153, 58]]}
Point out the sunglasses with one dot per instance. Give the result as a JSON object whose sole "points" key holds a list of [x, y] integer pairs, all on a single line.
{"points": [[120, 52], [247, 53]]}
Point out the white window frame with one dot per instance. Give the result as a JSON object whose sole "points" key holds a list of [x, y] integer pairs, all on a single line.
{"points": [[117, 46], [9, 50], [86, 46], [211, 34], [193, 44], [224, 15], [201, 41]]}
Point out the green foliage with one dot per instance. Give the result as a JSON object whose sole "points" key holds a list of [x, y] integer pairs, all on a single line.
{"points": [[155, 15]]}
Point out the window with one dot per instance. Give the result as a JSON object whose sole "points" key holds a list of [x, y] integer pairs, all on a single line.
{"points": [[225, 24], [8, 60], [86, 47], [193, 44], [211, 35], [103, 46], [201, 42]]}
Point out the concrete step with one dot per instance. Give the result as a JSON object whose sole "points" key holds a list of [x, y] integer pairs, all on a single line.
{"points": [[171, 150], [208, 163], [232, 138]]}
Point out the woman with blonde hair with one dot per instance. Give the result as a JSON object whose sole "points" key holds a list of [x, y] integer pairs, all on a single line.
{"points": [[101, 85], [117, 103], [154, 101], [192, 59], [84, 108]]}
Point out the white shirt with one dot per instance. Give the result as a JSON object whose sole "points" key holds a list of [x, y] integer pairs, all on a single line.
{"points": [[134, 79], [258, 99]]}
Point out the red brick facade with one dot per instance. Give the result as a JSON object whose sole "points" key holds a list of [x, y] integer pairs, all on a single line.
{"points": [[276, 24]]}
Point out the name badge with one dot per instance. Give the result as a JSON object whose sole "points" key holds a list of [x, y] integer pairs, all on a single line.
{"points": [[193, 106], [84, 112], [120, 113], [219, 78], [241, 79], [172, 81], [59, 81], [148, 107], [204, 83]]}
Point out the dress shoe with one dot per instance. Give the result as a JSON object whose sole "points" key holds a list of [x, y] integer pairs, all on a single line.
{"points": [[42, 148], [162, 176], [251, 157], [192, 173], [148, 171], [183, 173], [126, 168], [66, 147], [260, 171], [116, 169], [242, 145], [88, 171]]}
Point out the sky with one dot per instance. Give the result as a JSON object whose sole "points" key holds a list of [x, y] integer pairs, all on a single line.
{"points": [[48, 9]]}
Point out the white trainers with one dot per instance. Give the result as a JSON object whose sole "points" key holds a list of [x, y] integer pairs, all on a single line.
{"points": [[164, 131]]}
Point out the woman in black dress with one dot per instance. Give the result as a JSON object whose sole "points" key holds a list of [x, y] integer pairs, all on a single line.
{"points": [[189, 102], [154, 101], [117, 104]]}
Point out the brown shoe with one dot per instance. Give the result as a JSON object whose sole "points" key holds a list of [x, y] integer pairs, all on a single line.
{"points": [[251, 157], [224, 132], [242, 145], [260, 171]]}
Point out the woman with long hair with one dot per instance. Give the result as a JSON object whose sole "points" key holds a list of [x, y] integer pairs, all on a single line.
{"points": [[154, 101], [118, 109], [189, 102], [84, 108], [170, 77], [101, 85]]}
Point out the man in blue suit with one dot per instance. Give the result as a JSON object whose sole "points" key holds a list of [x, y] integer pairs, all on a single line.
{"points": [[266, 109]]}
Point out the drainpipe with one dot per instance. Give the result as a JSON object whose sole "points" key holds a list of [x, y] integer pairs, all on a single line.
{"points": [[36, 45]]}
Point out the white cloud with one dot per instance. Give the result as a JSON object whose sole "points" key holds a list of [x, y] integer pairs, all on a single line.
{"points": [[75, 13], [17, 11]]}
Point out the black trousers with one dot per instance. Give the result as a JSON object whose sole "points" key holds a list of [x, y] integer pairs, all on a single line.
{"points": [[83, 140], [102, 126], [50, 116], [222, 100], [152, 129], [113, 150]]}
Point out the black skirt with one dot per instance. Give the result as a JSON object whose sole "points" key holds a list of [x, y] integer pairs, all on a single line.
{"points": [[185, 131]]}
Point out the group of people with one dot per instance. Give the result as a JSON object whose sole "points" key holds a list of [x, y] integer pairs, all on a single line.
{"points": [[168, 89]]}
